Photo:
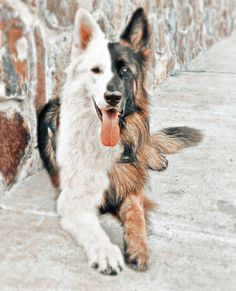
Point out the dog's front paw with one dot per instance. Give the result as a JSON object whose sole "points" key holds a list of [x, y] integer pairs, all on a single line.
{"points": [[106, 259], [137, 255]]}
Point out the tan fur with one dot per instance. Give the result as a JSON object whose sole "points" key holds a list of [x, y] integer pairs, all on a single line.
{"points": [[129, 181], [132, 216]]}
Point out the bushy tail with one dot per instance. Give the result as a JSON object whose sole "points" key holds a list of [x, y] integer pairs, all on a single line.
{"points": [[173, 139], [48, 121]]}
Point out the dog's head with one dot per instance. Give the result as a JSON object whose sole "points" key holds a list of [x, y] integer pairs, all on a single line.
{"points": [[113, 73]]}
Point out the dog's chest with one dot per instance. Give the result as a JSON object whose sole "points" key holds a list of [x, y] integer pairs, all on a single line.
{"points": [[81, 156]]}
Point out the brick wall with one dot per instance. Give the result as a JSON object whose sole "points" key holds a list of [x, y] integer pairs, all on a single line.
{"points": [[35, 37]]}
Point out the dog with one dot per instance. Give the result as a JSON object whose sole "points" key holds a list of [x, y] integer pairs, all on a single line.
{"points": [[96, 144]]}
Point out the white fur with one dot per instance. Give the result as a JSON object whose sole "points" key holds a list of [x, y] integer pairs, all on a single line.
{"points": [[83, 161]]}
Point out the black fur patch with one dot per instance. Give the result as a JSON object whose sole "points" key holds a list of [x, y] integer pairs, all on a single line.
{"points": [[112, 202], [128, 155], [126, 65]]}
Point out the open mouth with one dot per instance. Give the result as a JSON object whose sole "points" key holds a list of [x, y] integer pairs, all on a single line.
{"points": [[110, 131], [99, 112]]}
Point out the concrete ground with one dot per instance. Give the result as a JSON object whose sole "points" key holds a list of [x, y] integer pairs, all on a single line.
{"points": [[192, 234]]}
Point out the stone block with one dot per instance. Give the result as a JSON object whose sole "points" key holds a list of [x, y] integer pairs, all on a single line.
{"points": [[14, 55], [58, 14], [14, 139]]}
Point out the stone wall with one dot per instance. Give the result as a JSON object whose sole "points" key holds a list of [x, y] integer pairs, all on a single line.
{"points": [[35, 38]]}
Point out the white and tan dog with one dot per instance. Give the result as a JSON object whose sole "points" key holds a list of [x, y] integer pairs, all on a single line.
{"points": [[103, 145]]}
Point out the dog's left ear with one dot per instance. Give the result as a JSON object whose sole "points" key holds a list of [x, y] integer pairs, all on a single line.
{"points": [[137, 32]]}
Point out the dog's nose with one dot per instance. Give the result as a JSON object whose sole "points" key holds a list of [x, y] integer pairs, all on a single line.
{"points": [[112, 98]]}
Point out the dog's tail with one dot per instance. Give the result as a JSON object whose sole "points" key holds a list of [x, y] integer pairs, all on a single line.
{"points": [[48, 121], [173, 139]]}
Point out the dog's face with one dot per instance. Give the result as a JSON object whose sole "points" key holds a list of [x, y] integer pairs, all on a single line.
{"points": [[111, 73]]}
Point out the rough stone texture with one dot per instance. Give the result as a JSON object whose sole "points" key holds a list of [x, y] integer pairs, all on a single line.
{"points": [[14, 138], [40, 97], [35, 40], [192, 234], [14, 54]]}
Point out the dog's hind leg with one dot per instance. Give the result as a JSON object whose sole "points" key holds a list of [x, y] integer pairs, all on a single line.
{"points": [[156, 161], [79, 218], [132, 216]]}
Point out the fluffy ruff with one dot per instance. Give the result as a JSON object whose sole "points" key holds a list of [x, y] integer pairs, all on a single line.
{"points": [[104, 78]]}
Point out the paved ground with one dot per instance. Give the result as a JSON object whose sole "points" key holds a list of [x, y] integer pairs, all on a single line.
{"points": [[193, 232]]}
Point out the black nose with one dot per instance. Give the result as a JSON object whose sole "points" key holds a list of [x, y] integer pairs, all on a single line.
{"points": [[112, 98]]}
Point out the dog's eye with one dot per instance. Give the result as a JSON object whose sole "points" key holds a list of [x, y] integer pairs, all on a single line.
{"points": [[96, 70], [123, 70]]}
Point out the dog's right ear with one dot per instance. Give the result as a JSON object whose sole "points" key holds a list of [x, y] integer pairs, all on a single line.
{"points": [[85, 30]]}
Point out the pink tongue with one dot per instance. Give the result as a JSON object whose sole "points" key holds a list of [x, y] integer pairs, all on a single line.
{"points": [[110, 129]]}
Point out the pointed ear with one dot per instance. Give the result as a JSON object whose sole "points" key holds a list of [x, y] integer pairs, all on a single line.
{"points": [[85, 30], [137, 31]]}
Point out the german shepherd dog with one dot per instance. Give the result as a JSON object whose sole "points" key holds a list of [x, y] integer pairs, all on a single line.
{"points": [[96, 144]]}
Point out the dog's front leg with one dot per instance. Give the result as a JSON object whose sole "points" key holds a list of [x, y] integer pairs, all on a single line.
{"points": [[80, 219], [135, 238]]}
